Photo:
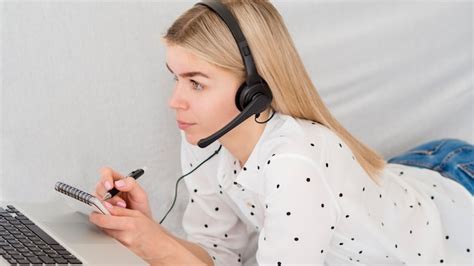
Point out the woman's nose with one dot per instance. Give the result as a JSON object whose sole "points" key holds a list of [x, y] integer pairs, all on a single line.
{"points": [[176, 101]]}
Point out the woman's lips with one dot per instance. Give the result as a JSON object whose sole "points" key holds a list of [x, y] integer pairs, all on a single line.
{"points": [[183, 125]]}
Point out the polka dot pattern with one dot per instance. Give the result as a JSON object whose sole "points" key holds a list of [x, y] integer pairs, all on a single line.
{"points": [[283, 195]]}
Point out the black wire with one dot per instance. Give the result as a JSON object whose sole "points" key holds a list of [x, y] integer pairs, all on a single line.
{"points": [[179, 179], [273, 113]]}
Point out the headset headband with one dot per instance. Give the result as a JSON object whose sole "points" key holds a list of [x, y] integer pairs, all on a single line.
{"points": [[221, 10]]}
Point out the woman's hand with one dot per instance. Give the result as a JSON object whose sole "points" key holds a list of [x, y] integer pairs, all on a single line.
{"points": [[136, 231], [131, 195]]}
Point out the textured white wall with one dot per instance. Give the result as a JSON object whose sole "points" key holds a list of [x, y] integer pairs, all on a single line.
{"points": [[84, 85]]}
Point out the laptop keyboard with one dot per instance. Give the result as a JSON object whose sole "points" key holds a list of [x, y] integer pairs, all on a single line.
{"points": [[22, 242]]}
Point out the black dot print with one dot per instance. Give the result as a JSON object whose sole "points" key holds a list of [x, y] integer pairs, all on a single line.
{"points": [[441, 261], [217, 208], [245, 168], [447, 237], [327, 165], [352, 239], [396, 246], [411, 206], [340, 244], [220, 191], [434, 185], [340, 195], [296, 239], [401, 173], [279, 263], [419, 254], [363, 189], [332, 227], [347, 216], [312, 144], [278, 185], [235, 172], [340, 145], [235, 183], [432, 197], [266, 206], [382, 223], [468, 250], [215, 245], [308, 179], [322, 250], [251, 213], [195, 190], [205, 225], [192, 200], [190, 164], [411, 231], [238, 260], [288, 213], [268, 162], [258, 167], [360, 252], [380, 195], [226, 235], [214, 258], [322, 205]]}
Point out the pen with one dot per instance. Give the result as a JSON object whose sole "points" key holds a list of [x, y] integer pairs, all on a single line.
{"points": [[135, 174]]}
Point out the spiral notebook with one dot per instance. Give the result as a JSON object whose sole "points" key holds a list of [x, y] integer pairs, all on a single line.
{"points": [[82, 196]]}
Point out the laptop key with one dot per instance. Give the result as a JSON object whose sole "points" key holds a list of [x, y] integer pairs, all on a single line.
{"points": [[45, 237], [46, 259], [75, 262]]}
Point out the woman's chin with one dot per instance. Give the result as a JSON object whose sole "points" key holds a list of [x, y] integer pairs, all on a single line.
{"points": [[192, 139]]}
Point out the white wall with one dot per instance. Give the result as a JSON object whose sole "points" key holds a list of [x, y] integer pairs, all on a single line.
{"points": [[84, 85]]}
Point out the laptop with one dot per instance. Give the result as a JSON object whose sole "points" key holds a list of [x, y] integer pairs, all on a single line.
{"points": [[53, 233]]}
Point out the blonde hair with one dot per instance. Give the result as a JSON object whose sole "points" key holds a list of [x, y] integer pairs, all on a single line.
{"points": [[202, 32]]}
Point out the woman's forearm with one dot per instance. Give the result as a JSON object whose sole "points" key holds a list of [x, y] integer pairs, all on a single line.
{"points": [[183, 252]]}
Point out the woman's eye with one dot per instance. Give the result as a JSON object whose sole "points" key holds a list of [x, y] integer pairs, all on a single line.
{"points": [[196, 85]]}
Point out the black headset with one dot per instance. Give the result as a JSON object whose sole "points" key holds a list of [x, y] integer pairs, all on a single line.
{"points": [[253, 96]]}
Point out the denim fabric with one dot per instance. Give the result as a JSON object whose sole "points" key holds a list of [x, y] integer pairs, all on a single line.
{"points": [[452, 158]]}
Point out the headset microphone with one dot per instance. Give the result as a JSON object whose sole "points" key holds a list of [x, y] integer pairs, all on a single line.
{"points": [[256, 106], [254, 96]]}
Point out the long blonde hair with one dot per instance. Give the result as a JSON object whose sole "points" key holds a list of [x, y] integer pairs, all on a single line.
{"points": [[203, 33]]}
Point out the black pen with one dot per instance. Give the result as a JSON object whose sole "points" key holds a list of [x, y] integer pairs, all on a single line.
{"points": [[135, 174]]}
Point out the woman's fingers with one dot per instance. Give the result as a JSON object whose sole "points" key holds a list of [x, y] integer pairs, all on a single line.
{"points": [[131, 186], [106, 183], [118, 201], [121, 218]]}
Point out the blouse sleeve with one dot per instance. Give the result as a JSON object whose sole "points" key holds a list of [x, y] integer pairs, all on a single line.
{"points": [[301, 213], [208, 221]]}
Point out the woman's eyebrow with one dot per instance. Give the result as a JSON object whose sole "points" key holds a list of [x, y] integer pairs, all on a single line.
{"points": [[188, 74]]}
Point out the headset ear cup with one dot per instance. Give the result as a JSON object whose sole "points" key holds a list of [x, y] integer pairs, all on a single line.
{"points": [[240, 97]]}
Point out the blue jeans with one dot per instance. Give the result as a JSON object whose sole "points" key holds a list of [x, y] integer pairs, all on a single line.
{"points": [[452, 158]]}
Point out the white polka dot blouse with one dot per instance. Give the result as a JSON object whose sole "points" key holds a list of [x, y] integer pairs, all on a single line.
{"points": [[302, 199]]}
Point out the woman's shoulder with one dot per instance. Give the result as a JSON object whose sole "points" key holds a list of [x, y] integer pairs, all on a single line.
{"points": [[300, 137]]}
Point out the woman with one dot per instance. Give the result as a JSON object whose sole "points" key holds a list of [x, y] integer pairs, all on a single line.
{"points": [[299, 189]]}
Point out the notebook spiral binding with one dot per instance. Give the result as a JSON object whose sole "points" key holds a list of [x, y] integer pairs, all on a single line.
{"points": [[74, 192]]}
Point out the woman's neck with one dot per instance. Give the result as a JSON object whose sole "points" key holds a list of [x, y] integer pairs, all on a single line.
{"points": [[241, 140]]}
